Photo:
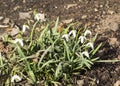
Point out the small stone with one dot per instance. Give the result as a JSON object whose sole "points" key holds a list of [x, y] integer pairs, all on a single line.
{"points": [[1, 17], [84, 17], [16, 8], [95, 9], [101, 6], [110, 12]]}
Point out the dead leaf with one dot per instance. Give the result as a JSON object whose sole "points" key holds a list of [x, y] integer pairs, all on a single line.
{"points": [[113, 41], [14, 32], [67, 21], [4, 26], [80, 82], [25, 15], [6, 20], [70, 5], [117, 83], [118, 57]]}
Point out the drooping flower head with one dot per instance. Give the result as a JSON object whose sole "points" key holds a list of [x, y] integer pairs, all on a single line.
{"points": [[15, 77], [87, 32], [85, 53], [25, 27], [82, 39], [73, 32], [66, 36], [20, 41], [90, 44]]}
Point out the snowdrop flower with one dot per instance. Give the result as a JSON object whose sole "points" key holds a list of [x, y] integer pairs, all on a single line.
{"points": [[90, 45], [39, 16], [73, 32], [66, 36], [19, 40], [85, 53], [82, 38], [25, 27], [87, 32], [15, 77]]}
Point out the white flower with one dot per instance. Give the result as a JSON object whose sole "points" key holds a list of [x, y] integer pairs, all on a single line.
{"points": [[39, 16], [82, 38], [66, 36], [15, 77], [25, 27], [73, 32], [19, 40], [85, 53], [90, 45], [87, 32]]}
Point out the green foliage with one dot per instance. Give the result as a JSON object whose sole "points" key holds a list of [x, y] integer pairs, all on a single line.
{"points": [[49, 57]]}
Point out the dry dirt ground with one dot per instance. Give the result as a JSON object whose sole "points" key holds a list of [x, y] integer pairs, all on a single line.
{"points": [[101, 16]]}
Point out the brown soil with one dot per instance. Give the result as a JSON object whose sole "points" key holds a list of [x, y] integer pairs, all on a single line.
{"points": [[101, 16]]}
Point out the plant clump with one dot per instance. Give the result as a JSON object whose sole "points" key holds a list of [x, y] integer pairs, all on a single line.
{"points": [[48, 57]]}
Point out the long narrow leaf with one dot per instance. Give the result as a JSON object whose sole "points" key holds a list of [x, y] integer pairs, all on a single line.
{"points": [[43, 55], [56, 25], [30, 72]]}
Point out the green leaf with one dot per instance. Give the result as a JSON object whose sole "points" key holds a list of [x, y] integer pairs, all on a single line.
{"points": [[67, 50], [56, 26], [42, 33], [93, 53], [58, 70], [43, 55], [30, 72]]}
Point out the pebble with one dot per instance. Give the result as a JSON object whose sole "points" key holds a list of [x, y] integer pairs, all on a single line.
{"points": [[84, 17], [95, 9], [1, 17]]}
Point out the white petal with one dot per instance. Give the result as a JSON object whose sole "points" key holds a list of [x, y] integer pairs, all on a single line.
{"points": [[73, 32], [66, 36], [87, 32], [25, 27], [90, 45], [82, 38], [15, 77], [85, 53], [19, 40], [39, 16]]}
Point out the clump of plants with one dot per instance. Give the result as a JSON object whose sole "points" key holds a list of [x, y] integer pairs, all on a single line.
{"points": [[48, 57]]}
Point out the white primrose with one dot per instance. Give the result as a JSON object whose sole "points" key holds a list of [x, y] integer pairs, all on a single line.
{"points": [[40, 16], [87, 32], [90, 44], [82, 39], [73, 32], [15, 77], [66, 36], [25, 27], [18, 41]]}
